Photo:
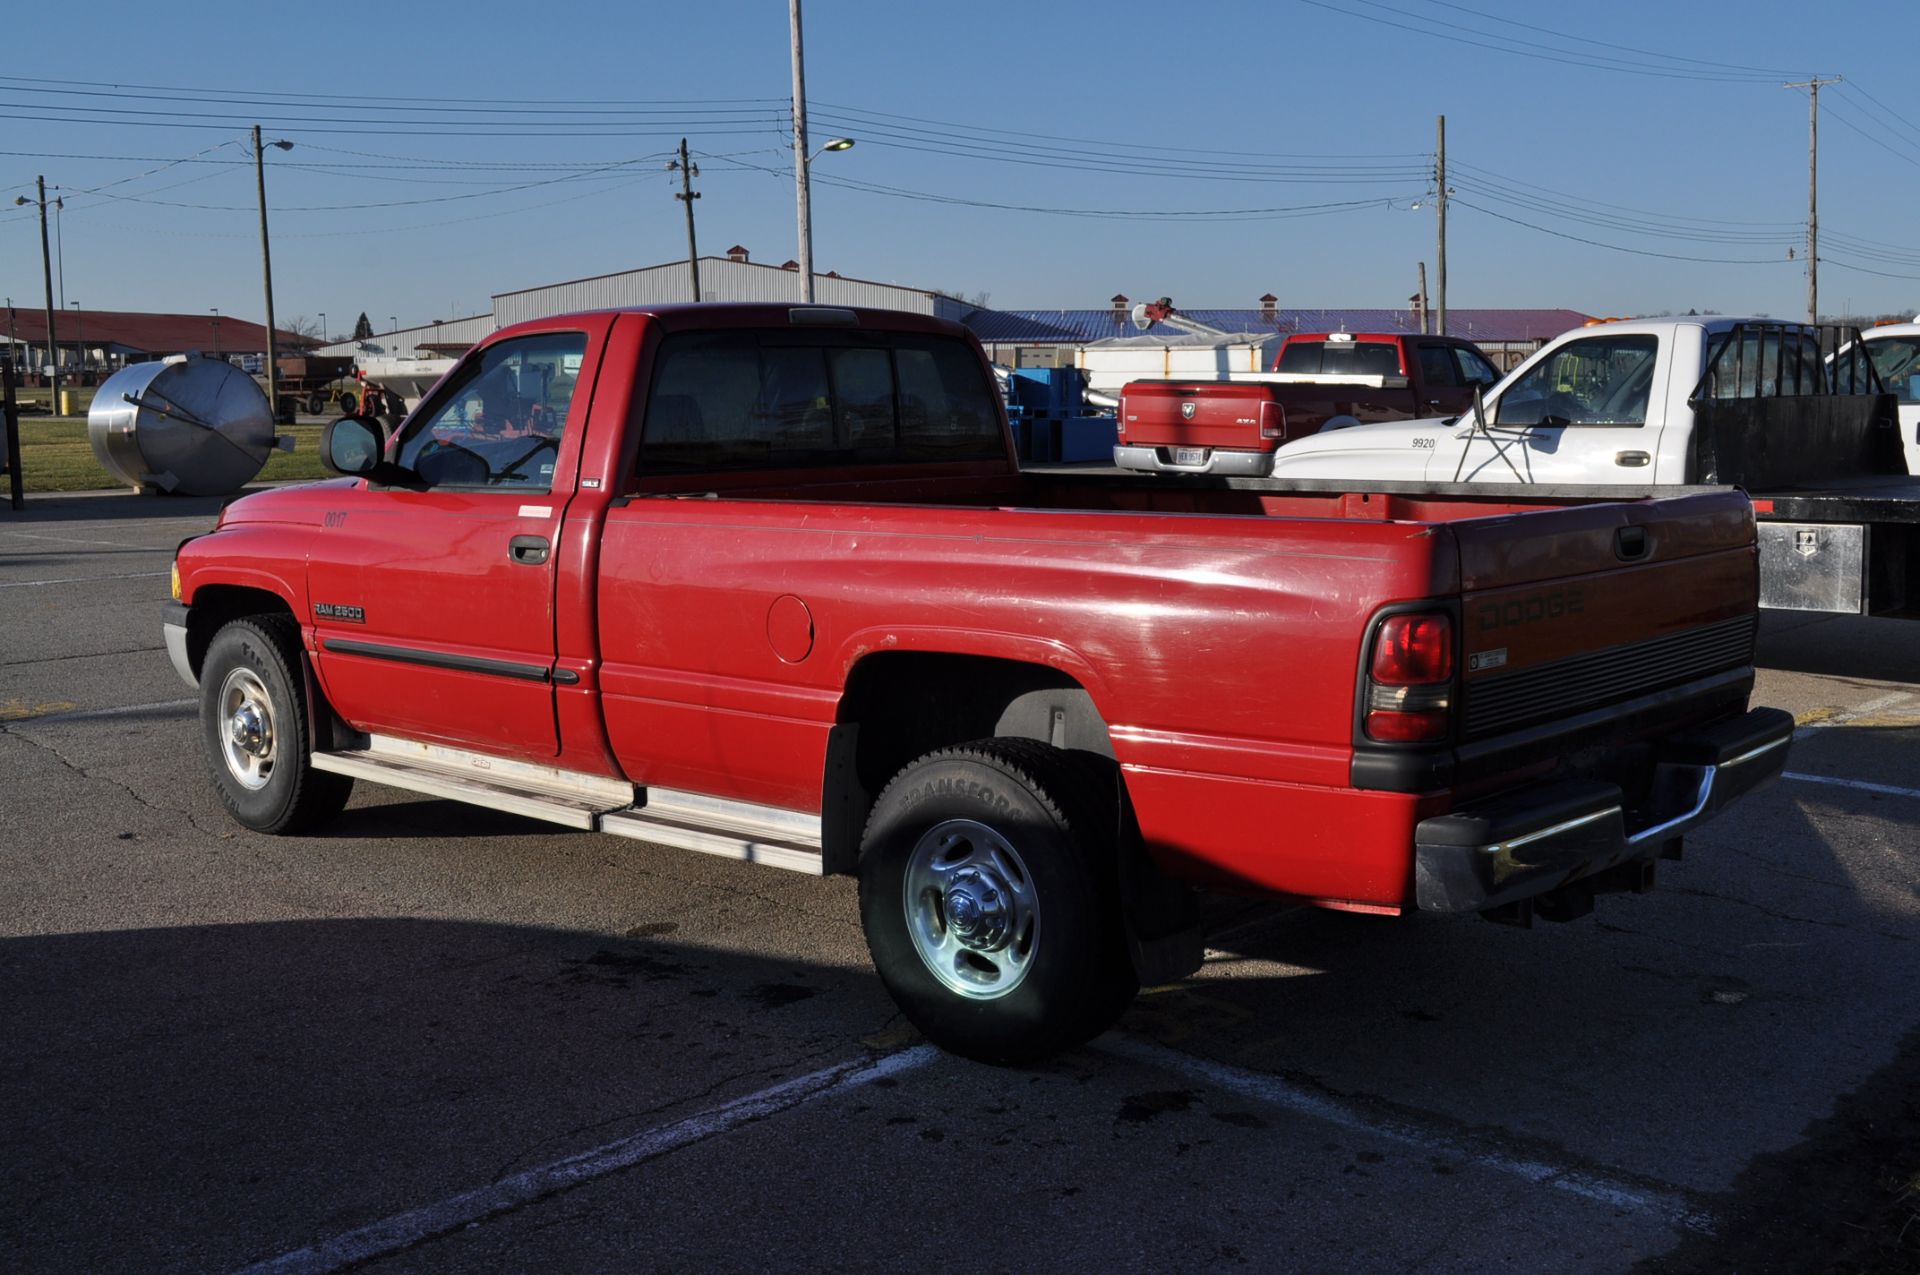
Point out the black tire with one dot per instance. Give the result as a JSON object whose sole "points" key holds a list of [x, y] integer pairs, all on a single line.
{"points": [[349, 405], [1058, 812], [316, 404], [254, 663]]}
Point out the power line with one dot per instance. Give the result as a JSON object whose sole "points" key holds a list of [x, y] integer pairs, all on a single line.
{"points": [[1117, 214], [1024, 136], [1432, 29], [1760, 72], [254, 95], [1639, 252]]}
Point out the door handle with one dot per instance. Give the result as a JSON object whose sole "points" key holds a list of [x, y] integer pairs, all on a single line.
{"points": [[1632, 460], [529, 551]]}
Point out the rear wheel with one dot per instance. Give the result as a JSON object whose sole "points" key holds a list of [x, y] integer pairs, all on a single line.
{"points": [[989, 896], [349, 405], [253, 721], [316, 404]]}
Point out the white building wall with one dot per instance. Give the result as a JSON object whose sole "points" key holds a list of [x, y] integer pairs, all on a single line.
{"points": [[403, 343], [720, 280]]}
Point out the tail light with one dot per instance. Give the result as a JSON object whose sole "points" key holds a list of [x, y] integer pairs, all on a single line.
{"points": [[1273, 420], [1410, 678]]}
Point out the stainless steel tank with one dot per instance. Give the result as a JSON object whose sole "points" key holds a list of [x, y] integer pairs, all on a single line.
{"points": [[189, 426]]}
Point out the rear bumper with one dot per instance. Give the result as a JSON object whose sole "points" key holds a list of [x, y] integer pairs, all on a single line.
{"points": [[1526, 843], [1159, 460]]}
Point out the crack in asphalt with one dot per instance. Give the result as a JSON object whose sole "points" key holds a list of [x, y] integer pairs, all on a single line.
{"points": [[82, 655], [1764, 910], [12, 729]]}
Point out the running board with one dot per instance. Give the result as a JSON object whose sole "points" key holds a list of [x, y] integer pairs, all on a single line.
{"points": [[731, 829], [688, 821], [521, 788]]}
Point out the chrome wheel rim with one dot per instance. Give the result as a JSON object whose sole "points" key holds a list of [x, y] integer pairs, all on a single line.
{"points": [[971, 909], [247, 734]]}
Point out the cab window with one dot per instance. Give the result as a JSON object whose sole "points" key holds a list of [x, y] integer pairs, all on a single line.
{"points": [[499, 420], [1596, 381], [1473, 367], [1340, 358], [1765, 361], [778, 400], [1437, 367]]}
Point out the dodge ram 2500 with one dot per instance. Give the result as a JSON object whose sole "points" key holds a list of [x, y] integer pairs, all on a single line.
{"points": [[767, 582]]}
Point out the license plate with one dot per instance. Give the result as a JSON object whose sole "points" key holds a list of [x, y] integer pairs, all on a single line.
{"points": [[1189, 455]]}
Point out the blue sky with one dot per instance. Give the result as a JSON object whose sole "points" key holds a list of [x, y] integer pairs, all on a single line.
{"points": [[1146, 114]]}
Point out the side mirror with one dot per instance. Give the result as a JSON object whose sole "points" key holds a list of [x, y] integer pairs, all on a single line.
{"points": [[352, 446]]}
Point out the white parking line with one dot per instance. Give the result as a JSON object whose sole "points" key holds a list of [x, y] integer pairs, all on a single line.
{"points": [[1886, 789], [75, 540], [1614, 1192], [125, 575], [402, 1230]]}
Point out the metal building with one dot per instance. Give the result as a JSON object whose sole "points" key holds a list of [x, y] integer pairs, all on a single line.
{"points": [[730, 278]]}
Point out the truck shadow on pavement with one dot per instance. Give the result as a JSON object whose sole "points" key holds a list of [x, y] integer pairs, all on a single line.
{"points": [[203, 1096], [1841, 646]]}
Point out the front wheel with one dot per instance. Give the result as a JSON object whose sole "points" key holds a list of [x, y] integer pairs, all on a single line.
{"points": [[253, 721], [989, 895]]}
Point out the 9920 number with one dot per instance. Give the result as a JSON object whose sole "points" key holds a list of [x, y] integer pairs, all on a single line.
{"points": [[1426, 444]]}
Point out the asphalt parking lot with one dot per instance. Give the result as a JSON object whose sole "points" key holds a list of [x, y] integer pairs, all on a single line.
{"points": [[438, 1038]]}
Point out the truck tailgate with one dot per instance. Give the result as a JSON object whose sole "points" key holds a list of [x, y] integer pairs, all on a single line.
{"points": [[1176, 414], [1573, 609]]}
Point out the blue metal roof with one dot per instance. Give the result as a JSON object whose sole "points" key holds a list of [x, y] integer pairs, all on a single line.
{"points": [[1079, 326]]}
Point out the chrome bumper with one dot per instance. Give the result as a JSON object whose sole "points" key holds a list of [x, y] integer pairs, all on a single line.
{"points": [[1538, 839], [173, 627], [1233, 464]]}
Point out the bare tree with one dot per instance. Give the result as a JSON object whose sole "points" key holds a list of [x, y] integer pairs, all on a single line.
{"points": [[303, 326]]}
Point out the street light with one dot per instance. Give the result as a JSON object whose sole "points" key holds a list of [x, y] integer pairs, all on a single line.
{"points": [[80, 339], [802, 159], [215, 311], [323, 327], [393, 324]]}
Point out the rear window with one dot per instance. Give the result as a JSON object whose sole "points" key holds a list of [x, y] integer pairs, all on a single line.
{"points": [[1340, 358], [779, 400]]}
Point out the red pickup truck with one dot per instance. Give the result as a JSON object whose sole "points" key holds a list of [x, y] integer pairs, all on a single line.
{"points": [[767, 582], [1322, 380]]}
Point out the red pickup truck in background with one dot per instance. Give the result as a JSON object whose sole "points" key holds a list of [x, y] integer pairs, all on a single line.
{"points": [[767, 582], [1323, 380]]}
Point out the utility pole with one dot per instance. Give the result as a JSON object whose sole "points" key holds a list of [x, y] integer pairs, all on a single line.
{"points": [[800, 154], [687, 195], [46, 270], [1423, 298], [60, 246], [1440, 185], [1813, 189], [266, 273]]}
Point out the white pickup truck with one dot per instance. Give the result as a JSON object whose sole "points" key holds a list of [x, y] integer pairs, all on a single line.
{"points": [[1817, 441], [1895, 351]]}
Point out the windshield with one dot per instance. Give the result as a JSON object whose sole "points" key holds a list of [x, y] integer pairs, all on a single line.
{"points": [[1898, 362]]}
